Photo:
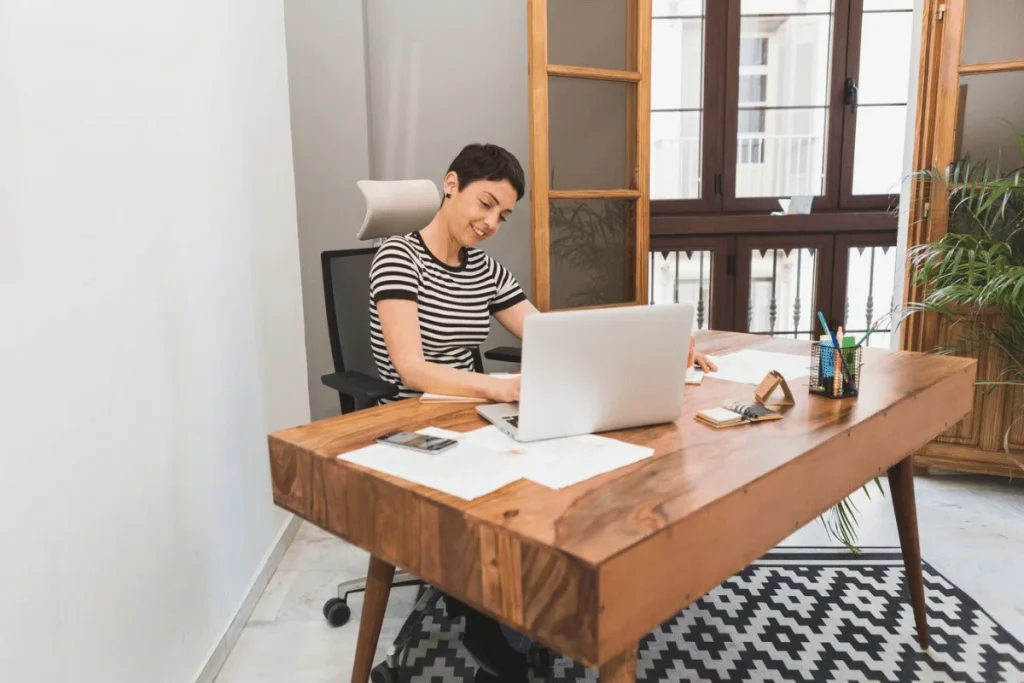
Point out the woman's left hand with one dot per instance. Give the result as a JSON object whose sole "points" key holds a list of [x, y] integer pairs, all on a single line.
{"points": [[699, 359]]}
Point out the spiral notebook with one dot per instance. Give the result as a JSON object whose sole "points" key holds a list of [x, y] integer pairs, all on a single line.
{"points": [[734, 413]]}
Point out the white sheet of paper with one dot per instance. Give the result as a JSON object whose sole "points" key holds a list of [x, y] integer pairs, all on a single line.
{"points": [[694, 376], [466, 471], [443, 433], [486, 460], [750, 366], [557, 463]]}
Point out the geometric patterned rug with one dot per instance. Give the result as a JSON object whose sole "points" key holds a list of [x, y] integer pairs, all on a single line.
{"points": [[797, 614]]}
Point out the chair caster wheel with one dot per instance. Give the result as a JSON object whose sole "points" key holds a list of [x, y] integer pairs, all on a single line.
{"points": [[382, 673], [336, 612]]}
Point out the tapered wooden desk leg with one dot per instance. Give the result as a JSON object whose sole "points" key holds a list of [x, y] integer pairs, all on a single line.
{"points": [[621, 669], [375, 601], [901, 485]]}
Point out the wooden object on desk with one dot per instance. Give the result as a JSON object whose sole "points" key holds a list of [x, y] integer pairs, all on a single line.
{"points": [[589, 570], [774, 380]]}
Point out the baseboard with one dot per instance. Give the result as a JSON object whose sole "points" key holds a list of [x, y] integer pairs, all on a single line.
{"points": [[227, 641]]}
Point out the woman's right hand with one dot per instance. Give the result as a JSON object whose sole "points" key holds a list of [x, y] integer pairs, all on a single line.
{"points": [[504, 390]]}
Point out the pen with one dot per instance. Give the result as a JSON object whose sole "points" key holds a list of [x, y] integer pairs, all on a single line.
{"points": [[835, 345]]}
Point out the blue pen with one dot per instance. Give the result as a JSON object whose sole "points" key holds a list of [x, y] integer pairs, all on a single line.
{"points": [[824, 326], [835, 344]]}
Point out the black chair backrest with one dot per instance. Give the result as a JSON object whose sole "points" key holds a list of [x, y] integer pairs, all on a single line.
{"points": [[347, 296], [346, 275]]}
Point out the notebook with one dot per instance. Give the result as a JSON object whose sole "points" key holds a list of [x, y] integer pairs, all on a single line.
{"points": [[733, 413]]}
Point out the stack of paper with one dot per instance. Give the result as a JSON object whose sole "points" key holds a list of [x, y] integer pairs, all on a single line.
{"points": [[486, 460], [750, 366]]}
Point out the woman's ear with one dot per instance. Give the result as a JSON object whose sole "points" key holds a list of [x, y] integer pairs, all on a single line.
{"points": [[451, 184]]}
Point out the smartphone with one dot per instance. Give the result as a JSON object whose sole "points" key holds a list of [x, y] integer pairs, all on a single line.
{"points": [[417, 442]]}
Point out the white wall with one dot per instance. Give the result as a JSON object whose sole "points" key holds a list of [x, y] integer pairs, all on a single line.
{"points": [[327, 82], [443, 74], [151, 328]]}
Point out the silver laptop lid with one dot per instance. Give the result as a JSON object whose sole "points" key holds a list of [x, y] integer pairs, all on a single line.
{"points": [[603, 369]]}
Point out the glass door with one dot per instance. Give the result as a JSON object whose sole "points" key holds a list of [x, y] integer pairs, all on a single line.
{"points": [[590, 148]]}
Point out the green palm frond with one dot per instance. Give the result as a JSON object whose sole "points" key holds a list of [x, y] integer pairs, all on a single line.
{"points": [[974, 274]]}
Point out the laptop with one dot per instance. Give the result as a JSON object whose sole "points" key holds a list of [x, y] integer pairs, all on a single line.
{"points": [[598, 370]]}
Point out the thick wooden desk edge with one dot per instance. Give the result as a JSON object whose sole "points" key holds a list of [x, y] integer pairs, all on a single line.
{"points": [[628, 615]]}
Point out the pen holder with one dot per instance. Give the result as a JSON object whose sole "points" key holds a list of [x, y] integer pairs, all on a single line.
{"points": [[835, 373]]}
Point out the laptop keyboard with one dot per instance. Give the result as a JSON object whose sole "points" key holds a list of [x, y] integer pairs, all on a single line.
{"points": [[513, 420]]}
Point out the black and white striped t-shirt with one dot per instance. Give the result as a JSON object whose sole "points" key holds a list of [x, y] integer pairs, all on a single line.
{"points": [[455, 303]]}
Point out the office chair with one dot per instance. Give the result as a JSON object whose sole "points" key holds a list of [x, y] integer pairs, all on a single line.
{"points": [[393, 208]]}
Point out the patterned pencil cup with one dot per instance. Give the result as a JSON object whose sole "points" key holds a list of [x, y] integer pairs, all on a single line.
{"points": [[835, 373]]}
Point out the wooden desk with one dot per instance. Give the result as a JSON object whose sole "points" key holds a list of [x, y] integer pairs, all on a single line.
{"points": [[589, 570]]}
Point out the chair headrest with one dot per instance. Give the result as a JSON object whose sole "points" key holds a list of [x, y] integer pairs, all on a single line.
{"points": [[397, 207]]}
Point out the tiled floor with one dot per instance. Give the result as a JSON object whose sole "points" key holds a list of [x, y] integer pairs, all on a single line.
{"points": [[972, 530]]}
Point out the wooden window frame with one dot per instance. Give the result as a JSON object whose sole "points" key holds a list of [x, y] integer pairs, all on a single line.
{"points": [[638, 122], [719, 134]]}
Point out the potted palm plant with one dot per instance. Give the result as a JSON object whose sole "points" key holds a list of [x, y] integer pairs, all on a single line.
{"points": [[974, 274]]}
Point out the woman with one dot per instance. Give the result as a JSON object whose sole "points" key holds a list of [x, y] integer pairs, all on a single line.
{"points": [[433, 292], [432, 295]]}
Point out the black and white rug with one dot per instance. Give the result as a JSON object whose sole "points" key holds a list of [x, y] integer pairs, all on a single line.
{"points": [[799, 614]]}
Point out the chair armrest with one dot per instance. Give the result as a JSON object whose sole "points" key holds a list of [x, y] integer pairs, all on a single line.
{"points": [[505, 354], [362, 388]]}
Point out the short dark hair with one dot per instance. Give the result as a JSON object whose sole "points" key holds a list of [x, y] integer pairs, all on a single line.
{"points": [[488, 162]]}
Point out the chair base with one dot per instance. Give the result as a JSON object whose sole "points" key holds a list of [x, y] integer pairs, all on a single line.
{"points": [[336, 610]]}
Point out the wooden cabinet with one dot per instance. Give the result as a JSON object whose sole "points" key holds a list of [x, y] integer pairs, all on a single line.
{"points": [[971, 85], [976, 443]]}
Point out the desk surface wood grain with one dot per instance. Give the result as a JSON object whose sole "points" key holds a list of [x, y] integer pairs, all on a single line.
{"points": [[590, 569]]}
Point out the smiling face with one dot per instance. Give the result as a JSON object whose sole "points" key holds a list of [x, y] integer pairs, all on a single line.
{"points": [[476, 212]]}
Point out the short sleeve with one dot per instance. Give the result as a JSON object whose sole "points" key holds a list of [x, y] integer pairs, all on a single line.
{"points": [[507, 290], [394, 273]]}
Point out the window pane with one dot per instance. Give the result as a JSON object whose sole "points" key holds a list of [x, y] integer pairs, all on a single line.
{"points": [[589, 252], [994, 107], [878, 149], [782, 292], [785, 6], [885, 73], [753, 51], [683, 277], [675, 155], [785, 156], [678, 8], [753, 89], [796, 67], [992, 31], [869, 292], [587, 134], [587, 33], [677, 63]]}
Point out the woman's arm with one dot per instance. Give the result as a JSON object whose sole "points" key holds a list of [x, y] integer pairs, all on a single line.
{"points": [[400, 324], [512, 317]]}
